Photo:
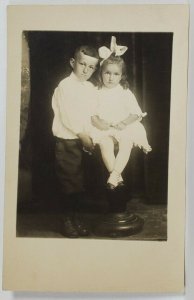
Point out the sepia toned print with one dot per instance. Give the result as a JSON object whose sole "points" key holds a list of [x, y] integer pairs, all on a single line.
{"points": [[86, 215], [137, 207]]}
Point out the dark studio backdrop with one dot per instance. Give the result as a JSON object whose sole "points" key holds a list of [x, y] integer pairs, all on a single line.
{"points": [[45, 62]]}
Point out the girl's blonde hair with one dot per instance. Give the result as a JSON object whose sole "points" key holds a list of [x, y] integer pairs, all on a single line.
{"points": [[114, 60]]}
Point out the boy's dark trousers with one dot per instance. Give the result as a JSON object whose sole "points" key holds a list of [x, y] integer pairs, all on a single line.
{"points": [[69, 165], [70, 175]]}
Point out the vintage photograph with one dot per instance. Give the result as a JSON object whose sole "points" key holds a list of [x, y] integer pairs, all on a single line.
{"points": [[96, 148], [94, 135]]}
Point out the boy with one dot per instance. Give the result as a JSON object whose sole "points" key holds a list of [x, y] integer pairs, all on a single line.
{"points": [[72, 104]]}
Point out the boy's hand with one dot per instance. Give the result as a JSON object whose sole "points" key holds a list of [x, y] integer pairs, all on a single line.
{"points": [[86, 141]]}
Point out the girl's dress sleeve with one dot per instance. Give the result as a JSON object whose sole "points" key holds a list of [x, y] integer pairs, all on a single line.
{"points": [[132, 104]]}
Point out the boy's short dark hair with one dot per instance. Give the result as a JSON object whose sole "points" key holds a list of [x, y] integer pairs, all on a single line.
{"points": [[87, 50]]}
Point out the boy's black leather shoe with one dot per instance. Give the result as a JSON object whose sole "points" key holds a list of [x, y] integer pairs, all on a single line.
{"points": [[81, 227], [68, 228]]}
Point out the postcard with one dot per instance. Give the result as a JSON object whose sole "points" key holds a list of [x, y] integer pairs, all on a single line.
{"points": [[96, 148]]}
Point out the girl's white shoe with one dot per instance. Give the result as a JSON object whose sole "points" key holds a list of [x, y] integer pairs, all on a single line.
{"points": [[114, 179], [120, 181]]}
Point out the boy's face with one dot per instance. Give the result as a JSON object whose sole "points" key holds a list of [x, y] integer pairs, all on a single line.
{"points": [[83, 66]]}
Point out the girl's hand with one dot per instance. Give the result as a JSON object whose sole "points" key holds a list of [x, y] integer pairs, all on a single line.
{"points": [[120, 126], [104, 125], [100, 124]]}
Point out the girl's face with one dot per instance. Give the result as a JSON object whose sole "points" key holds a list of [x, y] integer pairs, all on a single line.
{"points": [[111, 75]]}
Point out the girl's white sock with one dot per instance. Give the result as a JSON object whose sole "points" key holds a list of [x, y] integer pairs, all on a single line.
{"points": [[114, 178], [120, 179]]}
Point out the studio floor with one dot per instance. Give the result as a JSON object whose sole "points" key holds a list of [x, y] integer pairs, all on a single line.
{"points": [[45, 225]]}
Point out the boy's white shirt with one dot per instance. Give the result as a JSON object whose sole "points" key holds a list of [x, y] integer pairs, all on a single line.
{"points": [[73, 104]]}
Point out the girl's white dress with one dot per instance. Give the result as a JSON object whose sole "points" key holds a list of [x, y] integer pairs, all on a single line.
{"points": [[114, 105]]}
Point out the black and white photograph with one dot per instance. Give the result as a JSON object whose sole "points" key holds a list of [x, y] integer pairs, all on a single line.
{"points": [[94, 135], [95, 159]]}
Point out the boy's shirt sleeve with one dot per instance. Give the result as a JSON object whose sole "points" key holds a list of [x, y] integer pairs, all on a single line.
{"points": [[67, 112], [95, 102]]}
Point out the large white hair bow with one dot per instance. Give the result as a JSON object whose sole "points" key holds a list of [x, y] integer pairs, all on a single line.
{"points": [[105, 52]]}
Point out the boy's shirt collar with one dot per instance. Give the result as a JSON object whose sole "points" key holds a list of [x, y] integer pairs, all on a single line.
{"points": [[75, 78]]}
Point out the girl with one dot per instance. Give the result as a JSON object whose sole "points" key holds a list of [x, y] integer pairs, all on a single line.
{"points": [[117, 115]]}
